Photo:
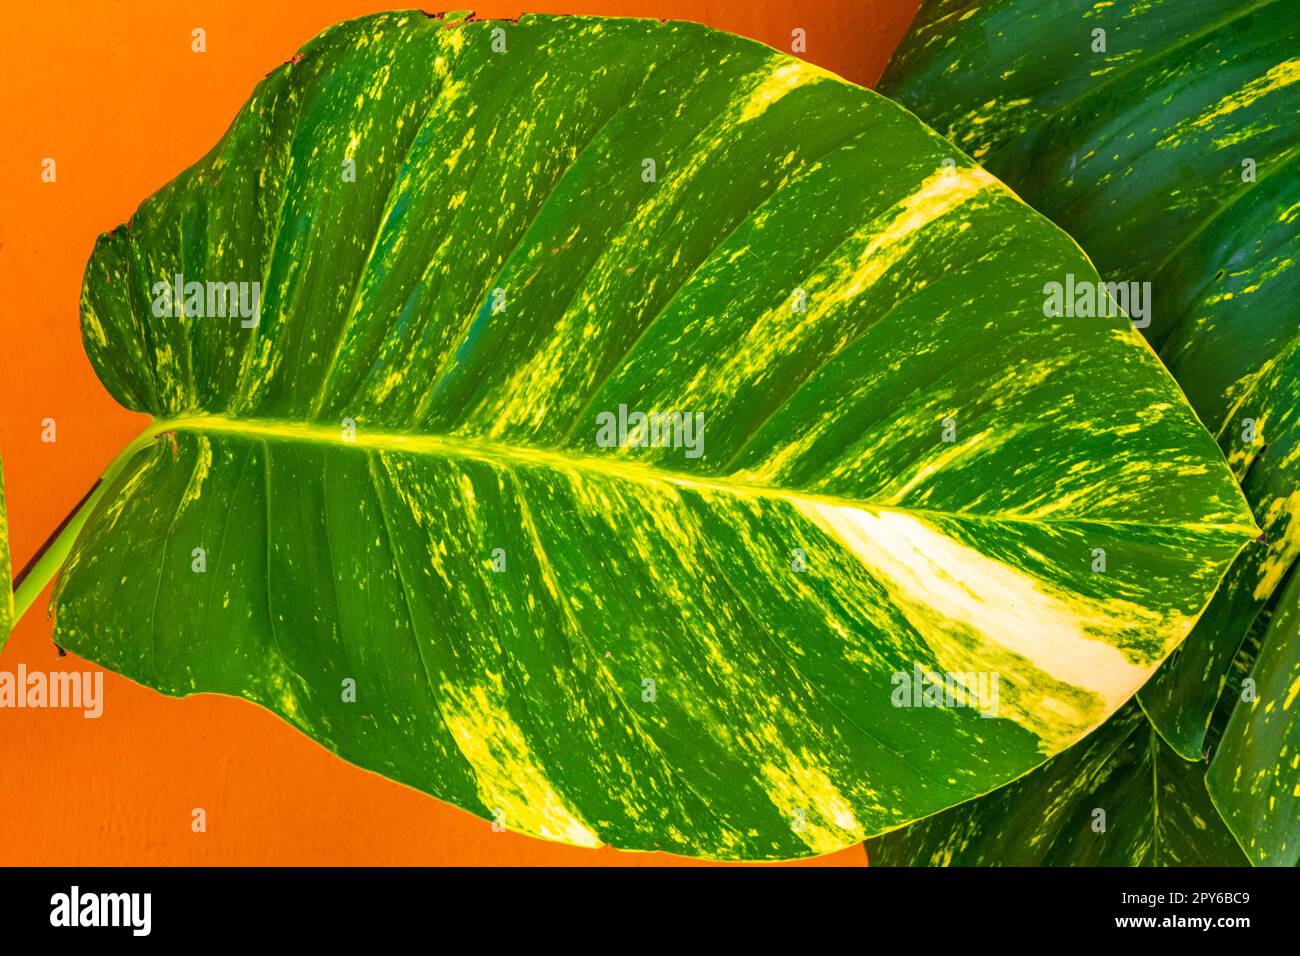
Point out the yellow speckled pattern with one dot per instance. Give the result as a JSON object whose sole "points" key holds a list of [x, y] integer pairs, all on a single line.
{"points": [[398, 478], [1162, 135]]}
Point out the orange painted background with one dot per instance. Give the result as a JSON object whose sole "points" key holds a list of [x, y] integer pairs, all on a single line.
{"points": [[113, 93]]}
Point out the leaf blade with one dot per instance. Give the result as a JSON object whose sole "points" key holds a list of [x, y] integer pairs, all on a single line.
{"points": [[1254, 790], [523, 691], [1171, 156], [1154, 812]]}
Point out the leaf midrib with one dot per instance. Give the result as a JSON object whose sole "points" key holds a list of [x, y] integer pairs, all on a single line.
{"points": [[567, 461]]}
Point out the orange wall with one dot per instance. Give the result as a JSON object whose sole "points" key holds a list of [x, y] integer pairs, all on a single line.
{"points": [[114, 94]]}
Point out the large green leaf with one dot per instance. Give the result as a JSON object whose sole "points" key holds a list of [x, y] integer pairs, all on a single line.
{"points": [[615, 644], [1253, 777], [1122, 797], [1173, 156], [1159, 809]]}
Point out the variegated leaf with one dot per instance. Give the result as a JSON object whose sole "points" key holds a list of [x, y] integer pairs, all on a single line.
{"points": [[397, 477], [1162, 135], [1254, 777], [1122, 797]]}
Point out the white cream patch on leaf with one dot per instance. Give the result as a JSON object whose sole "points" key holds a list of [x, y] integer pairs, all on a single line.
{"points": [[940, 582]]}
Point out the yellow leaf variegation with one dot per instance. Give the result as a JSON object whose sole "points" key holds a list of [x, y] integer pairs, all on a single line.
{"points": [[635, 427], [1162, 135]]}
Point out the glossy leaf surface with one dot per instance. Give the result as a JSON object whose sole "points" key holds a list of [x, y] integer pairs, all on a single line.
{"points": [[1162, 135], [473, 242]]}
